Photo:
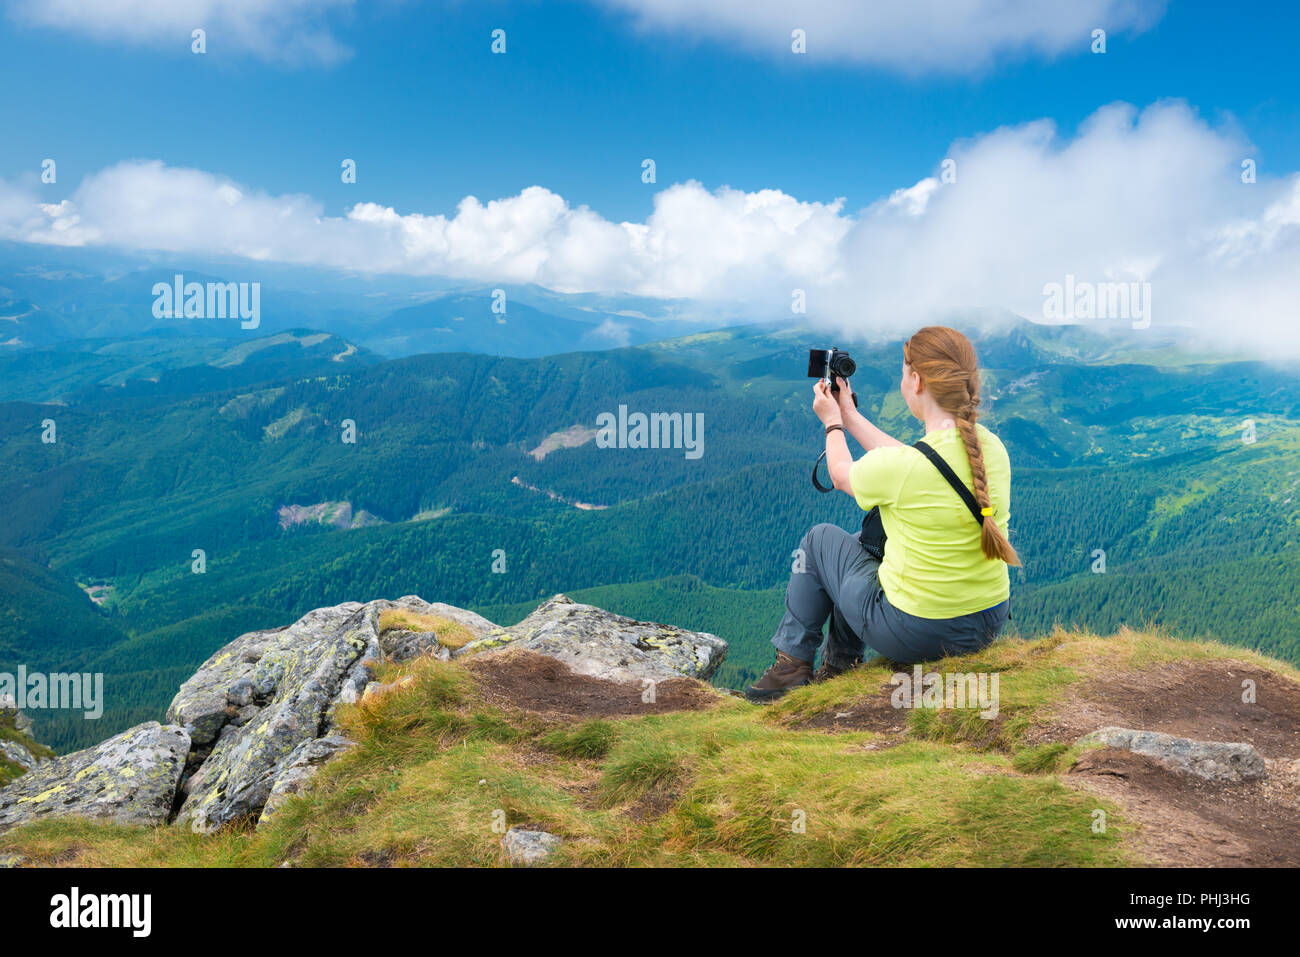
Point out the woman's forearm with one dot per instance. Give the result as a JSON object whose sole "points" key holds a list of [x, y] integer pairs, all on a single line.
{"points": [[868, 436], [838, 460]]}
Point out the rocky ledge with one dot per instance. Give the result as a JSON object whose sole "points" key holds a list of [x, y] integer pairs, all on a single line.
{"points": [[128, 779], [255, 722]]}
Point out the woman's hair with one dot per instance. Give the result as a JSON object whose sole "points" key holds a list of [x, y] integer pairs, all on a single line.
{"points": [[946, 362]]}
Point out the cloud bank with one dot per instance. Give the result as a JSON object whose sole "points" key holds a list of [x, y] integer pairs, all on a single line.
{"points": [[948, 36], [1156, 197], [696, 243], [287, 31]]}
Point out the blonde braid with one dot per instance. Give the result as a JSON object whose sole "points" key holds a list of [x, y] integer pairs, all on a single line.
{"points": [[946, 362]]}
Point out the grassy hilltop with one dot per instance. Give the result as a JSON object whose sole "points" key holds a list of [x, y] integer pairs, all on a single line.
{"points": [[831, 775]]}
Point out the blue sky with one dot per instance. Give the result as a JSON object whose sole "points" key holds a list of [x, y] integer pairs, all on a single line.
{"points": [[776, 171], [583, 95]]}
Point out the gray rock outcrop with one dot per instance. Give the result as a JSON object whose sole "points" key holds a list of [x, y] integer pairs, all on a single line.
{"points": [[253, 706], [128, 779], [17, 751], [256, 722], [22, 724], [1218, 761], [301, 767], [595, 642]]}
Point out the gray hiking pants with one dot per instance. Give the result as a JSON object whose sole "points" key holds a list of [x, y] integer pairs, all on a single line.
{"points": [[839, 582]]}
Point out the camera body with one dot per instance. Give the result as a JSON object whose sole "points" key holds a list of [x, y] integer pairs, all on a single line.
{"points": [[829, 363]]}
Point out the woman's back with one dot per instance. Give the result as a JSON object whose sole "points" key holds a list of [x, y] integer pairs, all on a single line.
{"points": [[934, 566], [942, 588]]}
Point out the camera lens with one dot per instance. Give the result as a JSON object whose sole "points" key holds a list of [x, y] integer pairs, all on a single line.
{"points": [[845, 367]]}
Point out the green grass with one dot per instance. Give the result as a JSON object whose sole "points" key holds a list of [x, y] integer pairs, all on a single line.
{"points": [[591, 739], [1043, 759], [438, 773], [451, 634]]}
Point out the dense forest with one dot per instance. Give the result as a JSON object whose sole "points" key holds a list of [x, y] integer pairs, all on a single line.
{"points": [[1140, 496]]}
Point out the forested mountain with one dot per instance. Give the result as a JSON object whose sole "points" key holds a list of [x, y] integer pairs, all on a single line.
{"points": [[218, 493]]}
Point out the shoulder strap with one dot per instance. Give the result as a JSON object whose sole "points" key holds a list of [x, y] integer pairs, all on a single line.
{"points": [[958, 485]]}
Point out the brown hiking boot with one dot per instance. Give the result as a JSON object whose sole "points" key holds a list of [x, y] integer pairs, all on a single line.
{"points": [[787, 674], [827, 671]]}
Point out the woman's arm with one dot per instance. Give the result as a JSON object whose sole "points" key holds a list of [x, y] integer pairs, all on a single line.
{"points": [[838, 459], [859, 426]]}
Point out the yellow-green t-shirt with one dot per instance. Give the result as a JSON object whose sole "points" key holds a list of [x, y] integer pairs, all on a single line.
{"points": [[934, 567]]}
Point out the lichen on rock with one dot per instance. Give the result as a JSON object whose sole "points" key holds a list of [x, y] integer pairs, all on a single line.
{"points": [[256, 721], [128, 779], [297, 676], [301, 767], [18, 754], [262, 708]]}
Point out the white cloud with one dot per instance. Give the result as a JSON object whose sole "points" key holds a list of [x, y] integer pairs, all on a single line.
{"points": [[614, 333], [290, 31], [953, 36], [1154, 196], [695, 243]]}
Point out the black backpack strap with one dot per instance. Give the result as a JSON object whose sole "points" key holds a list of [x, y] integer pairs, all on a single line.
{"points": [[958, 485]]}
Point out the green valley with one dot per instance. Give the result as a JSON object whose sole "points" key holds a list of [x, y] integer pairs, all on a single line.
{"points": [[1140, 498]]}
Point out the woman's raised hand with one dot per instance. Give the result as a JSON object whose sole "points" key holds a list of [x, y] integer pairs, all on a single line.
{"points": [[825, 405], [847, 405]]}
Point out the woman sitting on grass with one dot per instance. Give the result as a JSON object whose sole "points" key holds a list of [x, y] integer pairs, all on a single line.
{"points": [[942, 587]]}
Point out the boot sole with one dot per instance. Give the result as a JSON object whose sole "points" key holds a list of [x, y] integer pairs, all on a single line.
{"points": [[764, 695], [818, 678]]}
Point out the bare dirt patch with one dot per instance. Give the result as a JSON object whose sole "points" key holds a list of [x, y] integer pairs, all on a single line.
{"points": [[532, 682], [1183, 820], [570, 438], [1186, 822], [1201, 700], [654, 803], [875, 713], [376, 858]]}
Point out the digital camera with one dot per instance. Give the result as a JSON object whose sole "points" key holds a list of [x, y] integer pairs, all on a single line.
{"points": [[829, 363]]}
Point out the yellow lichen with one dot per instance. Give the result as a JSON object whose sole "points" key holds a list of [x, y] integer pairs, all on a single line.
{"points": [[44, 795]]}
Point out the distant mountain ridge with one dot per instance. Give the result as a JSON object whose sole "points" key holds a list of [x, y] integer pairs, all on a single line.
{"points": [[54, 296], [171, 364]]}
